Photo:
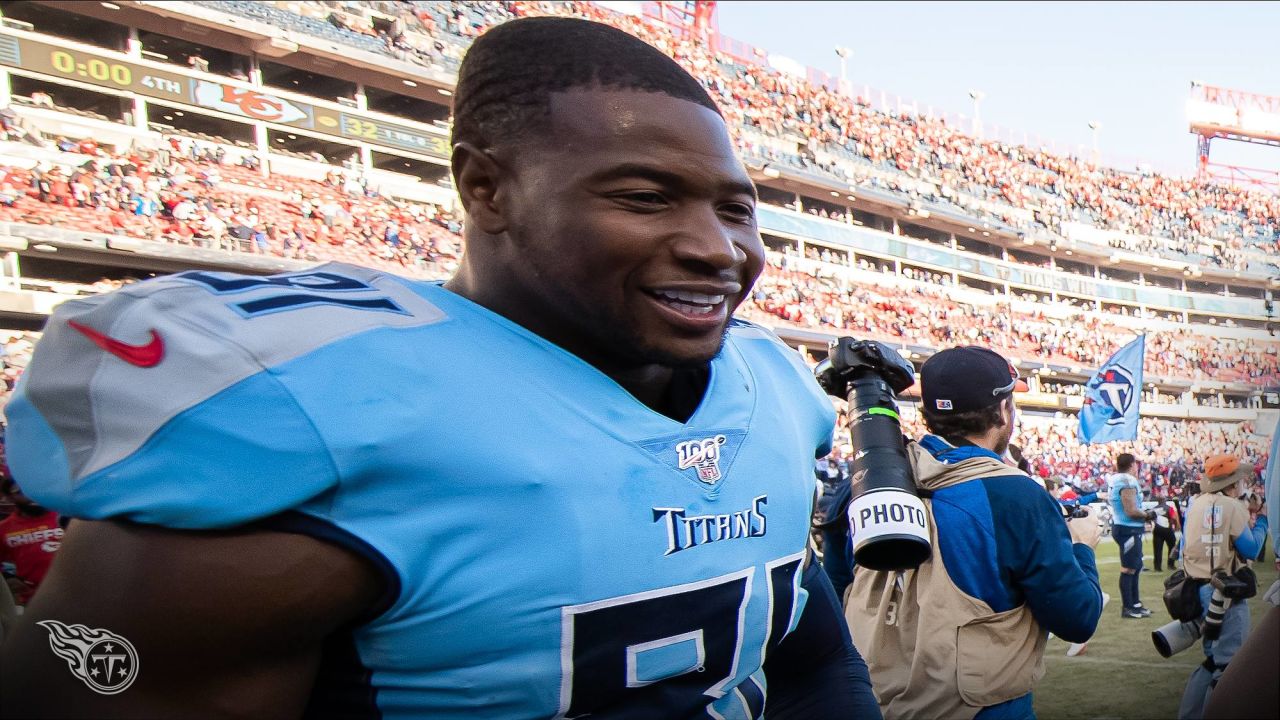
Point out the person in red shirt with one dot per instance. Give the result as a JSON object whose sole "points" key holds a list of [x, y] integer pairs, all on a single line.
{"points": [[29, 538]]}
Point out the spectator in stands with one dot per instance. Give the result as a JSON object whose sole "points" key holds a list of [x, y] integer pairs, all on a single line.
{"points": [[196, 62], [184, 209], [212, 230]]}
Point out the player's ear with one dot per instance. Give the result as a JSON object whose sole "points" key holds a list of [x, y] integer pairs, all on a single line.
{"points": [[477, 175]]}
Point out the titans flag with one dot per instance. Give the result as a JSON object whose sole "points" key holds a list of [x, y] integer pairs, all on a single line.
{"points": [[1112, 397]]}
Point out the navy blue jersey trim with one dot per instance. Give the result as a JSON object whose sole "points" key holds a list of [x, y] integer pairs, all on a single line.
{"points": [[292, 521]]}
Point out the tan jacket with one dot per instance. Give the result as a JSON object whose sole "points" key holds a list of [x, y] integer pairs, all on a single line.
{"points": [[933, 651], [1213, 522]]}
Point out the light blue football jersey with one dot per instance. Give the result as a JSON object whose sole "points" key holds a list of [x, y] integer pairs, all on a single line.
{"points": [[552, 546]]}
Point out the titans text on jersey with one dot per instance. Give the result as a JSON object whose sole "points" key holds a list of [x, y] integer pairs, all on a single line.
{"points": [[685, 531]]}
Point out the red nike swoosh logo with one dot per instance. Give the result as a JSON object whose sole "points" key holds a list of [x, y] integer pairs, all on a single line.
{"points": [[145, 356]]}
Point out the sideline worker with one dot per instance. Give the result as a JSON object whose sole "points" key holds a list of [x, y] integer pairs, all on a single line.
{"points": [[1218, 538], [963, 635]]}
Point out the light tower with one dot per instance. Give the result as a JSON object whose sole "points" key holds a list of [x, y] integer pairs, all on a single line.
{"points": [[843, 53], [976, 96]]}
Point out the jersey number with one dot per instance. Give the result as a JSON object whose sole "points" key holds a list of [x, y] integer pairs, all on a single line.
{"points": [[675, 649], [319, 287]]}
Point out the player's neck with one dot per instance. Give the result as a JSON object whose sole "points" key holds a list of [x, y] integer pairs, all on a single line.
{"points": [[680, 394], [672, 391]]}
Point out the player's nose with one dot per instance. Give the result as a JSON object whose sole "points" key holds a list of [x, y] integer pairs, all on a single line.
{"points": [[707, 238]]}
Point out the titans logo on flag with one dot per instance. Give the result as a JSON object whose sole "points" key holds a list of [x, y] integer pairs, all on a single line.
{"points": [[1116, 390], [104, 661], [1113, 397]]}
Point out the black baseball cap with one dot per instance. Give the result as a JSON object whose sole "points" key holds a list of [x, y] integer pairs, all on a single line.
{"points": [[967, 378]]}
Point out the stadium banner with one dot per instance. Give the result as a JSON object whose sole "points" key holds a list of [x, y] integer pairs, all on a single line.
{"points": [[177, 85], [1113, 396]]}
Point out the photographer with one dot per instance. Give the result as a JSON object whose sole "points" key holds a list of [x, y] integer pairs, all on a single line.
{"points": [[1217, 539], [1248, 689], [963, 634]]}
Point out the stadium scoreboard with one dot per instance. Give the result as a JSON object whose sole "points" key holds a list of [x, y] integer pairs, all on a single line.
{"points": [[186, 88]]}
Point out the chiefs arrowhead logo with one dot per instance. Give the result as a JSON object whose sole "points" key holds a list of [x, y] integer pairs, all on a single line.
{"points": [[145, 356]]}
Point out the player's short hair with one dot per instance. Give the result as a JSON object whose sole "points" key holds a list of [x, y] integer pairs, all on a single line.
{"points": [[1125, 461], [509, 73]]}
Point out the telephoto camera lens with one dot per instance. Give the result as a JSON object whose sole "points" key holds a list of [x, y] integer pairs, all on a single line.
{"points": [[886, 517], [1218, 605], [1175, 637]]}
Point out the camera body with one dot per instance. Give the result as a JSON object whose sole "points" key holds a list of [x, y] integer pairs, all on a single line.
{"points": [[887, 521], [1226, 588], [1231, 586], [1074, 510]]}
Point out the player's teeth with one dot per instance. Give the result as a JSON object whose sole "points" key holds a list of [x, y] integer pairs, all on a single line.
{"points": [[699, 309], [692, 297]]}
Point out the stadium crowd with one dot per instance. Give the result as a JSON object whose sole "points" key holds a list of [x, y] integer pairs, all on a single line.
{"points": [[193, 194], [786, 119], [929, 315], [1172, 452]]}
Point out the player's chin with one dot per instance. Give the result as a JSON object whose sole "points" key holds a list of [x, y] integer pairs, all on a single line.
{"points": [[687, 351], [674, 340]]}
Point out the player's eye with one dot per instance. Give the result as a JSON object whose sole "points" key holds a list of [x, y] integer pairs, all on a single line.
{"points": [[738, 212], [642, 198]]}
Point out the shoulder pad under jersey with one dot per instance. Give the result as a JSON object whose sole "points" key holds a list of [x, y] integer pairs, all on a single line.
{"points": [[157, 402]]}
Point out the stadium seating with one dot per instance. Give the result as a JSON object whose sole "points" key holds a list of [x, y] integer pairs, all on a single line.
{"points": [[927, 315], [139, 198], [232, 204], [786, 120]]}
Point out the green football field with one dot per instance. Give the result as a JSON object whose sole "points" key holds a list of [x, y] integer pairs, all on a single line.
{"points": [[1120, 674]]}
